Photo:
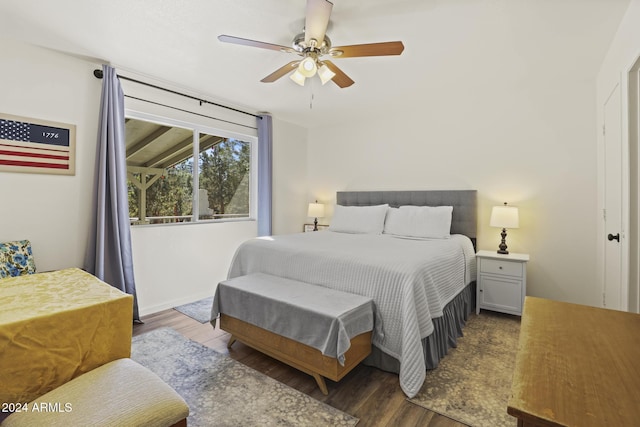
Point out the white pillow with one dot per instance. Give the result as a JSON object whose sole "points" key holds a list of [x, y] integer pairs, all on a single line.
{"points": [[359, 219], [419, 221]]}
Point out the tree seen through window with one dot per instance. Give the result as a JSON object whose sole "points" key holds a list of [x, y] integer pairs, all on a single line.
{"points": [[164, 177]]}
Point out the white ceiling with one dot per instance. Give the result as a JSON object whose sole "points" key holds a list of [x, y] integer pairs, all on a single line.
{"points": [[456, 49]]}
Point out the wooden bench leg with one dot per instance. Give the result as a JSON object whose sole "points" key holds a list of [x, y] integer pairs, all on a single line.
{"points": [[231, 341], [321, 384]]}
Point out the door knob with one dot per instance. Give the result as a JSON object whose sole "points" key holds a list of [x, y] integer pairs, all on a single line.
{"points": [[612, 237]]}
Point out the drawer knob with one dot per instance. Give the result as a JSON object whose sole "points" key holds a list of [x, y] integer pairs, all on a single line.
{"points": [[500, 267]]}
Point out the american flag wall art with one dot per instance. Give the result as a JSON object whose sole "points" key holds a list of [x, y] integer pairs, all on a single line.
{"points": [[36, 146]]}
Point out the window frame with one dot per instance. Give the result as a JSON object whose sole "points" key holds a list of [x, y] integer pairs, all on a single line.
{"points": [[197, 129]]}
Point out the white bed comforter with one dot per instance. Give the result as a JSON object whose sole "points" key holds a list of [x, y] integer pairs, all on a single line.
{"points": [[410, 281]]}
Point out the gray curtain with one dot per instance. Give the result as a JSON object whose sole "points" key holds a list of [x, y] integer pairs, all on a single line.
{"points": [[109, 255], [265, 156]]}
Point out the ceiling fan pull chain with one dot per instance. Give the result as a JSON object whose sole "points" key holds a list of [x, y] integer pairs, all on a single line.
{"points": [[311, 87]]}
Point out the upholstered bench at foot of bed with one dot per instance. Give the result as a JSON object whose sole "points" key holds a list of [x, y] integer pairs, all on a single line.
{"points": [[296, 354], [320, 331], [120, 393]]}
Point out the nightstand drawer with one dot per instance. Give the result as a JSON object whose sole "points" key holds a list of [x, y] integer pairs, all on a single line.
{"points": [[495, 266]]}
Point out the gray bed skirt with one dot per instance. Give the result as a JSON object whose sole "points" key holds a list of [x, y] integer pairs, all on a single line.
{"points": [[448, 329]]}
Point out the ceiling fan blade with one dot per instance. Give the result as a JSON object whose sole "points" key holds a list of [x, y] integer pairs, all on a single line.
{"points": [[341, 79], [370, 49], [280, 72], [317, 20], [254, 43]]}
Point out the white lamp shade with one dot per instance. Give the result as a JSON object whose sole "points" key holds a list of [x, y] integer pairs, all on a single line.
{"points": [[504, 217], [316, 210], [308, 67], [325, 74], [298, 77]]}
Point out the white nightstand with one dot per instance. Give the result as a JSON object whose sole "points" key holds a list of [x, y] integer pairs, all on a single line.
{"points": [[502, 282]]}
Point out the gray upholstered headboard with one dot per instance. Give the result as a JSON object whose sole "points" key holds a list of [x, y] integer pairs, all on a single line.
{"points": [[464, 216]]}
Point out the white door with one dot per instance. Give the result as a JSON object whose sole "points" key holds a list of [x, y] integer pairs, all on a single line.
{"points": [[613, 283], [633, 235]]}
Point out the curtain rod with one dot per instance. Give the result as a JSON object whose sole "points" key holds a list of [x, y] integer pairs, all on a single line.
{"points": [[99, 74], [191, 112]]}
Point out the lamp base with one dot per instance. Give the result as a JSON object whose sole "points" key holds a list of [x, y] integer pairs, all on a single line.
{"points": [[315, 224], [502, 248]]}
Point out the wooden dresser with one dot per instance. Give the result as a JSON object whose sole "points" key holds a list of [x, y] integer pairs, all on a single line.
{"points": [[576, 366]]}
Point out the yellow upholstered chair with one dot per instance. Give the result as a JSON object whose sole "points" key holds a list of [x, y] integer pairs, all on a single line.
{"points": [[121, 393]]}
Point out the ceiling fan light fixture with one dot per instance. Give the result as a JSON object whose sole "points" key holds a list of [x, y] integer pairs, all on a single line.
{"points": [[312, 44], [308, 67], [325, 73], [298, 77]]}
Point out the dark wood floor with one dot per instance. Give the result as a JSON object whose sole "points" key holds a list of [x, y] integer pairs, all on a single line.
{"points": [[368, 393]]}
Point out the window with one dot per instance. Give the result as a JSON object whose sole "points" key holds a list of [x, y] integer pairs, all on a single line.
{"points": [[162, 173]]}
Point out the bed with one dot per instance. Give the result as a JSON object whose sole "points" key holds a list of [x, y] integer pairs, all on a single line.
{"points": [[423, 289]]}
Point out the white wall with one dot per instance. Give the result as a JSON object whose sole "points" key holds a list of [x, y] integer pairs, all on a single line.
{"points": [[177, 264], [173, 264], [621, 56], [289, 177], [623, 52], [53, 211], [532, 146]]}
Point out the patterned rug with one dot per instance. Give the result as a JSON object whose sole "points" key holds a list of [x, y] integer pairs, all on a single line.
{"points": [[223, 392], [472, 384], [199, 310]]}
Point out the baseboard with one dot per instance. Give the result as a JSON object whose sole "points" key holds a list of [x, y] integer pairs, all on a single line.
{"points": [[147, 310]]}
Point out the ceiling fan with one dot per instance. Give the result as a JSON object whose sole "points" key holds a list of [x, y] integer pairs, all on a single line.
{"points": [[312, 44]]}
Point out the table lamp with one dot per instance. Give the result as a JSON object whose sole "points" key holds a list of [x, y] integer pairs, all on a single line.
{"points": [[316, 210], [504, 217]]}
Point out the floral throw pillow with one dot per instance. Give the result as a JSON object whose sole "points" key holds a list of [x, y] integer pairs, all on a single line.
{"points": [[16, 259]]}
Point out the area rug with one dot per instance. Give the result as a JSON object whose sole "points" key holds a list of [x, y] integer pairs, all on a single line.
{"points": [[199, 310], [223, 392], [472, 384]]}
